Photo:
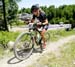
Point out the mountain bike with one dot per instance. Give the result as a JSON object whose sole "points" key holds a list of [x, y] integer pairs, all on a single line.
{"points": [[26, 42]]}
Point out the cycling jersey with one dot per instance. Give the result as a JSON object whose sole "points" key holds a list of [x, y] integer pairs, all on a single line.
{"points": [[41, 19]]}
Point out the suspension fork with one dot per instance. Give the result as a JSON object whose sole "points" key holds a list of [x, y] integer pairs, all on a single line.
{"points": [[33, 41], [40, 38]]}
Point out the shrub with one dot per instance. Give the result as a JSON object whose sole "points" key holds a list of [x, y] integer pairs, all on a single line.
{"points": [[5, 37]]}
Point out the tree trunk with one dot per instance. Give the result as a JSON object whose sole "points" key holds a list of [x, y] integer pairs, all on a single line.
{"points": [[4, 15]]}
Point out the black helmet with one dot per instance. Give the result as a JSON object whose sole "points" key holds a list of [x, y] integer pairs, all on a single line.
{"points": [[34, 7]]}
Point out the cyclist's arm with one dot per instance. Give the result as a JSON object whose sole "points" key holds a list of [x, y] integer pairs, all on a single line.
{"points": [[45, 22], [44, 18], [33, 19]]}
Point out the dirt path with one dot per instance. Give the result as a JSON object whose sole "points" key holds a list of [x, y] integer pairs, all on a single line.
{"points": [[52, 47]]}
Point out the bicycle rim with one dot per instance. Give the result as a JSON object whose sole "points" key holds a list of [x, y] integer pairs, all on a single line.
{"points": [[23, 46], [47, 36]]}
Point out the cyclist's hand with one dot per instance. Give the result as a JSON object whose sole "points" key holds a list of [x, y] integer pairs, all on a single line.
{"points": [[39, 23]]}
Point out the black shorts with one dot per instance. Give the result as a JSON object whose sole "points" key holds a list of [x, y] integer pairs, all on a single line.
{"points": [[45, 27]]}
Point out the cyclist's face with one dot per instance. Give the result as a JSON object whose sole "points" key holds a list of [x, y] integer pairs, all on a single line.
{"points": [[36, 12]]}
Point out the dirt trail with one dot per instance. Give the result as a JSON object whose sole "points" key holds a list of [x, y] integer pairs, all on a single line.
{"points": [[52, 47]]}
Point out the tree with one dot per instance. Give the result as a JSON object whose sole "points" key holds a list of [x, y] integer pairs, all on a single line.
{"points": [[51, 13], [25, 10], [10, 9], [4, 14], [55, 15]]}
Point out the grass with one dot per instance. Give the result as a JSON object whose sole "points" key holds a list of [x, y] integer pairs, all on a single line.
{"points": [[1, 52], [65, 59], [18, 23], [5, 37], [57, 34]]}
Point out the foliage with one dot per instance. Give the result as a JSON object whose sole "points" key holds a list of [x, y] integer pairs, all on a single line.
{"points": [[25, 10], [11, 11], [64, 13], [5, 37]]}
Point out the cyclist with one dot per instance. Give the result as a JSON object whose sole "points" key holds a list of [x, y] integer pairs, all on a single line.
{"points": [[43, 22]]}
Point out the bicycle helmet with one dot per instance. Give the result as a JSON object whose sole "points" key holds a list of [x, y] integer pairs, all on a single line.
{"points": [[35, 7]]}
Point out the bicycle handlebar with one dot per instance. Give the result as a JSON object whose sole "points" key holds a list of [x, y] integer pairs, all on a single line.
{"points": [[32, 25]]}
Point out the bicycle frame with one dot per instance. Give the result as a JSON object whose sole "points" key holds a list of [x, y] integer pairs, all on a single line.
{"points": [[34, 32]]}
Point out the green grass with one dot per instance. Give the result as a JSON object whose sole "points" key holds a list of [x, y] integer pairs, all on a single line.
{"points": [[1, 52], [65, 59], [57, 34], [18, 23], [5, 37]]}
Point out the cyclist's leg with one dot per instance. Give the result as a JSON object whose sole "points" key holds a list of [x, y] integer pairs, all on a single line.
{"points": [[35, 36], [43, 35], [43, 38]]}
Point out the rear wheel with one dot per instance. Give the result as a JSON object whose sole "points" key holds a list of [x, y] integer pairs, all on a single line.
{"points": [[23, 46], [38, 42], [47, 36]]}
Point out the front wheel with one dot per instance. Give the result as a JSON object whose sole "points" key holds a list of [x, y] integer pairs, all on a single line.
{"points": [[23, 46]]}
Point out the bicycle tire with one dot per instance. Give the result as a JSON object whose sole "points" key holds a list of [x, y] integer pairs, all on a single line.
{"points": [[47, 36], [17, 53]]}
